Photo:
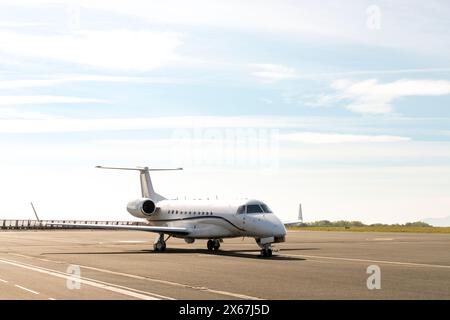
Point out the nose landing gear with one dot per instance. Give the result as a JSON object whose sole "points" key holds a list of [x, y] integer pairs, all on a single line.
{"points": [[266, 251], [213, 244], [266, 246]]}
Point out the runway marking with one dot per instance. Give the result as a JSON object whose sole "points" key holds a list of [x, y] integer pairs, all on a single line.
{"points": [[131, 241], [90, 282], [45, 260], [26, 289], [51, 299], [411, 264], [381, 239], [166, 282], [4, 281], [21, 255], [226, 293]]}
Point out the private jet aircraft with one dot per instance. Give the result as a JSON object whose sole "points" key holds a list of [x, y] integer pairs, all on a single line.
{"points": [[213, 220]]}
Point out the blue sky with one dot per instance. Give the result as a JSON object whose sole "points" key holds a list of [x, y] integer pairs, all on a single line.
{"points": [[341, 106]]}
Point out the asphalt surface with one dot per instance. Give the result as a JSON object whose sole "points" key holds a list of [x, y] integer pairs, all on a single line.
{"points": [[310, 265]]}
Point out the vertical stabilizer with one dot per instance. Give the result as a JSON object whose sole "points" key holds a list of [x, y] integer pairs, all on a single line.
{"points": [[147, 190], [146, 183]]}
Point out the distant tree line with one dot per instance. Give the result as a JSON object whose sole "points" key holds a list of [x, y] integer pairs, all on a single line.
{"points": [[344, 223]]}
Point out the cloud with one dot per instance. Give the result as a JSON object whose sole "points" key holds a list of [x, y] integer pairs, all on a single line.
{"points": [[31, 83], [329, 138], [6, 24], [116, 49], [370, 96], [44, 99], [336, 21], [61, 124], [274, 72], [7, 114]]}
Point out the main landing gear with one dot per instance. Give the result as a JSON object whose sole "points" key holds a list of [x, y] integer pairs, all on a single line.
{"points": [[160, 244], [213, 244]]}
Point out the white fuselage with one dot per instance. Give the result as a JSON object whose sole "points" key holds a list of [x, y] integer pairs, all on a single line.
{"points": [[206, 219]]}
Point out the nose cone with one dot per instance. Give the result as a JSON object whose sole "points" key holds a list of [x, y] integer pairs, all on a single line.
{"points": [[281, 229], [277, 226]]}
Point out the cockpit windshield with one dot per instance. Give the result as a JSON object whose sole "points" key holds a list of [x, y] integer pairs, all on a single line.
{"points": [[266, 208], [254, 208]]}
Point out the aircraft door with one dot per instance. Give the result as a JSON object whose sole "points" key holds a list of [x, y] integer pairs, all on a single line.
{"points": [[241, 217]]}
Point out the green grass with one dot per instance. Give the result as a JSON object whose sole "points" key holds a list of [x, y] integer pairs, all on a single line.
{"points": [[378, 229]]}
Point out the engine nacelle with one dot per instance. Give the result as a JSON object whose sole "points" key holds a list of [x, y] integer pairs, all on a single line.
{"points": [[141, 208]]}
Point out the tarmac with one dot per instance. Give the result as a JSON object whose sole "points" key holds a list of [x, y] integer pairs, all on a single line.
{"points": [[92, 264]]}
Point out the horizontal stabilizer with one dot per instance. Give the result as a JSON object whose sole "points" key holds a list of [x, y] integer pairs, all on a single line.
{"points": [[139, 168]]}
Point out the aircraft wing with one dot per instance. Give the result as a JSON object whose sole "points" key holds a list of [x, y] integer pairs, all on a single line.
{"points": [[166, 230], [291, 222]]}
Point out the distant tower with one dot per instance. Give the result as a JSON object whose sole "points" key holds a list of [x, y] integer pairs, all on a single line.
{"points": [[300, 214]]}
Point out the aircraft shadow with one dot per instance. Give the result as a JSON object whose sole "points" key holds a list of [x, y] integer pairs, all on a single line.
{"points": [[246, 253]]}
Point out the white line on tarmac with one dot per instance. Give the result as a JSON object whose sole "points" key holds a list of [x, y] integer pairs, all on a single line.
{"points": [[410, 264], [89, 282], [26, 289], [4, 281], [21, 255], [171, 283], [131, 241]]}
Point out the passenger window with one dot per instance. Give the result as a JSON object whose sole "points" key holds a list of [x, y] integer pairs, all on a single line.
{"points": [[241, 210], [254, 208]]}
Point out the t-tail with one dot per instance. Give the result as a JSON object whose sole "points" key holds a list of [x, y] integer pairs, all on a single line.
{"points": [[147, 190], [299, 217], [300, 213]]}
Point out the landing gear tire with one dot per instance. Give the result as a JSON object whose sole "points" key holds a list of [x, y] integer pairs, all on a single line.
{"points": [[210, 245], [266, 252], [160, 244], [213, 245]]}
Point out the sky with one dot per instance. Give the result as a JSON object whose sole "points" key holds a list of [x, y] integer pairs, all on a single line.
{"points": [[343, 107]]}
